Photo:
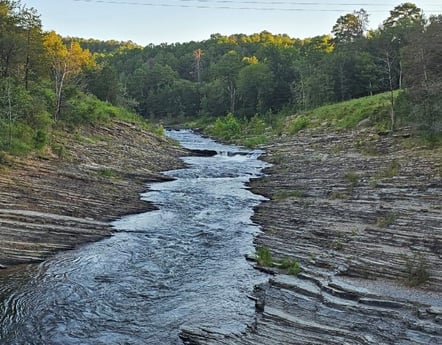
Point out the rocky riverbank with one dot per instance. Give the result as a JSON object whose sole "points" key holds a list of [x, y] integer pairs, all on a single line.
{"points": [[362, 214], [68, 195]]}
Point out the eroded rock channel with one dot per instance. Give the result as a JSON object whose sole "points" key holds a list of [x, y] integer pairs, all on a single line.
{"points": [[182, 264], [361, 212], [49, 202]]}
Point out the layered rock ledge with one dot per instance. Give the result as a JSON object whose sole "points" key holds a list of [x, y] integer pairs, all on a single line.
{"points": [[362, 214], [57, 201]]}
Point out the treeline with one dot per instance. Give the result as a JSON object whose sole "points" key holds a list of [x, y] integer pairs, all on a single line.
{"points": [[48, 81], [266, 74], [43, 81]]}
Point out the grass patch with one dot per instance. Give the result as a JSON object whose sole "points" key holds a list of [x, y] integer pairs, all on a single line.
{"points": [[80, 138], [160, 131], [298, 124], [292, 266], [338, 195], [285, 194], [374, 182], [352, 177], [278, 158], [383, 222], [60, 151], [88, 110], [5, 160], [264, 256], [262, 128], [416, 269], [390, 171], [107, 173], [254, 141], [348, 114], [337, 245], [368, 150]]}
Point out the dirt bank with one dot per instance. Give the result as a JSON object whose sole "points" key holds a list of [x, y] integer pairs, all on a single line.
{"points": [[67, 196], [361, 213]]}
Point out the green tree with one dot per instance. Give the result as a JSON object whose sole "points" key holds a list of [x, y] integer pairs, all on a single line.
{"points": [[281, 61], [353, 69], [423, 76], [15, 103], [20, 41], [404, 16], [350, 26], [215, 98], [152, 86], [31, 25], [11, 40], [313, 84], [404, 19], [388, 71], [103, 83], [255, 87], [67, 63], [227, 70]]}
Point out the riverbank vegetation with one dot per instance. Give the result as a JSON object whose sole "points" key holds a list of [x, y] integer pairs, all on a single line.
{"points": [[369, 111], [44, 85], [261, 79], [247, 87]]}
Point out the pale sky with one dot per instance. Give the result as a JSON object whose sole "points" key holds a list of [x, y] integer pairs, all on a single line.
{"points": [[170, 21]]}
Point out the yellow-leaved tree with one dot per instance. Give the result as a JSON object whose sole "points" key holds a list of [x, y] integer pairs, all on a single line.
{"points": [[66, 62]]}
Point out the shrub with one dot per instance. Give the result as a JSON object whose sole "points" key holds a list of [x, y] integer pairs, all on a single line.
{"points": [[294, 269], [256, 126], [88, 110], [226, 128], [416, 269], [160, 131], [60, 151], [40, 139]]}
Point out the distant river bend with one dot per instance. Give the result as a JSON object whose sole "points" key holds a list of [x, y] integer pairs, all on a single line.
{"points": [[182, 265]]}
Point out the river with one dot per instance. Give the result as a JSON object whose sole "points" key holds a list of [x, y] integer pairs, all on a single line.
{"points": [[182, 265]]}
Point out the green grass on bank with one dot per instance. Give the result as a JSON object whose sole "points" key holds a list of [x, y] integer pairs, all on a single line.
{"points": [[371, 111], [34, 128], [374, 109]]}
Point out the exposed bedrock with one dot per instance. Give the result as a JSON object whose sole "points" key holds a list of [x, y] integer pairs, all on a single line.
{"points": [[49, 203], [362, 214]]}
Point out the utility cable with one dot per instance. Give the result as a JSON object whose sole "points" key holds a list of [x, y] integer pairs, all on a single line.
{"points": [[207, 4]]}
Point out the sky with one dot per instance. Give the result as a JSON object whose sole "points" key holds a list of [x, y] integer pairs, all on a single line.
{"points": [[169, 21]]}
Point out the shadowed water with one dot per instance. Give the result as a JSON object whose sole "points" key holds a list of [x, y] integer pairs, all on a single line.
{"points": [[181, 265]]}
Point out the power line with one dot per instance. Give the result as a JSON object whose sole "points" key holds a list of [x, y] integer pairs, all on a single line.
{"points": [[250, 5]]}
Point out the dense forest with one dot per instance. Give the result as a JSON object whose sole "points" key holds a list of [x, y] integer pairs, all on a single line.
{"points": [[47, 81]]}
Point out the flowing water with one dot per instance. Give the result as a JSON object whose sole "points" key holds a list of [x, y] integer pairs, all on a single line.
{"points": [[182, 265]]}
